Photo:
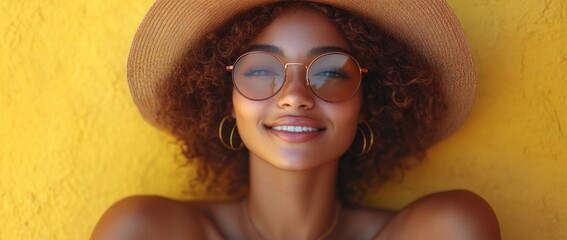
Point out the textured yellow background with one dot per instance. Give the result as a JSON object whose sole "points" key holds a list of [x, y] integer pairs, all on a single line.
{"points": [[72, 143]]}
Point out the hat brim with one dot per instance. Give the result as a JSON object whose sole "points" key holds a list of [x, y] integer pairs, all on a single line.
{"points": [[429, 27]]}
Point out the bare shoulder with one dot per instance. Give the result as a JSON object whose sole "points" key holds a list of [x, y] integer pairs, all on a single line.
{"points": [[362, 223], [457, 214], [154, 217]]}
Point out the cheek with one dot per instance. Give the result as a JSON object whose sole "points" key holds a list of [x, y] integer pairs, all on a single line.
{"points": [[350, 111], [346, 118], [243, 109], [247, 114], [242, 105]]}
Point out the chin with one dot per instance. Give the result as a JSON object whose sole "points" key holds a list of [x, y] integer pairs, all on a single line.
{"points": [[299, 161]]}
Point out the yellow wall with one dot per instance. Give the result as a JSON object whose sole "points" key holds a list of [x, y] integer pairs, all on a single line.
{"points": [[72, 143]]}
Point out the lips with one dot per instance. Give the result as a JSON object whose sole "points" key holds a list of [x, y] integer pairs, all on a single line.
{"points": [[295, 129]]}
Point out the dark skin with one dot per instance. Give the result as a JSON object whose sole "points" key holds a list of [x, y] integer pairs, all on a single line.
{"points": [[292, 183]]}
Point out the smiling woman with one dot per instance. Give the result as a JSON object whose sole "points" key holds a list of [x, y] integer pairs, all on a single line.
{"points": [[305, 115], [296, 105]]}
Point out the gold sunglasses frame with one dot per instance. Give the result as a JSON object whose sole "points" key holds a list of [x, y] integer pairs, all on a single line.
{"points": [[230, 68]]}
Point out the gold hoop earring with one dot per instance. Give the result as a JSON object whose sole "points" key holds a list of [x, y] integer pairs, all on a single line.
{"points": [[230, 144], [363, 131]]}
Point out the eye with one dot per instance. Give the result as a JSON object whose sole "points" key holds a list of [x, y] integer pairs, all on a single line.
{"points": [[332, 73], [259, 73]]}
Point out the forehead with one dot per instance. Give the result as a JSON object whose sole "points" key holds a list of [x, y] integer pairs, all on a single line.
{"points": [[298, 30]]}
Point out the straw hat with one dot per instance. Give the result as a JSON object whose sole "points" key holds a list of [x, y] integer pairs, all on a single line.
{"points": [[427, 26]]}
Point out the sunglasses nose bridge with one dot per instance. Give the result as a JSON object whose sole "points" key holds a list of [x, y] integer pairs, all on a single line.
{"points": [[305, 68], [296, 92], [296, 77]]}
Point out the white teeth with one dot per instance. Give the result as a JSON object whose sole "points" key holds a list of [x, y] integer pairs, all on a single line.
{"points": [[294, 129]]}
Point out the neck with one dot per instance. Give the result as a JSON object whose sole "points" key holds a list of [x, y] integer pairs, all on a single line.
{"points": [[291, 204]]}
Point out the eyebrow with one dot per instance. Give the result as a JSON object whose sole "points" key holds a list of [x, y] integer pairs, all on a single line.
{"points": [[266, 48], [313, 52], [326, 49]]}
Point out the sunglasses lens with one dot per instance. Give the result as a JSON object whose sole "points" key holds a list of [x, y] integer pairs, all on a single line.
{"points": [[334, 77], [258, 75]]}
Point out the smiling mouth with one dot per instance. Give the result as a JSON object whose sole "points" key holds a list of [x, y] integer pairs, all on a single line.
{"points": [[298, 129]]}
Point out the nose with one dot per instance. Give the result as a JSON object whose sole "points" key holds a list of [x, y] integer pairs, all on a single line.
{"points": [[295, 93]]}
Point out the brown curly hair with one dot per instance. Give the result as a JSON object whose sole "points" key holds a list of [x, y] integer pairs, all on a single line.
{"points": [[403, 101]]}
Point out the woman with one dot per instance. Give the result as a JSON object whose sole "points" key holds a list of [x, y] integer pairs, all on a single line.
{"points": [[307, 105]]}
